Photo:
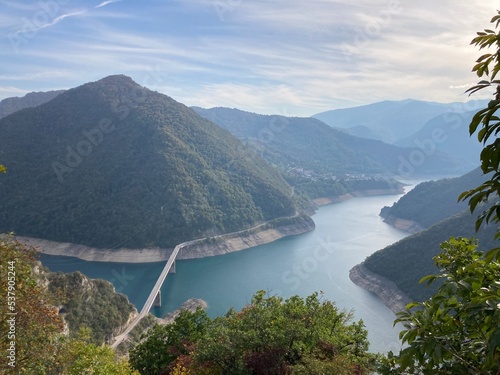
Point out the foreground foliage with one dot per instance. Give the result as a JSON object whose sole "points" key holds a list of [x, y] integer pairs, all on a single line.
{"points": [[36, 338], [456, 331], [408, 260], [487, 125], [269, 336], [28, 325]]}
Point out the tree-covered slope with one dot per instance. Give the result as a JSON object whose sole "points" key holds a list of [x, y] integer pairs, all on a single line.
{"points": [[432, 201], [410, 259], [58, 322], [90, 303], [310, 144], [32, 99], [112, 164]]}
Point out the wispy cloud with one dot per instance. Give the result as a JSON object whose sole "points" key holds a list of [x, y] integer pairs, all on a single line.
{"points": [[268, 56], [11, 90], [58, 19], [104, 3]]}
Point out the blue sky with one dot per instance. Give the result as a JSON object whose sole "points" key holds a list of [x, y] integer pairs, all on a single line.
{"points": [[294, 58]]}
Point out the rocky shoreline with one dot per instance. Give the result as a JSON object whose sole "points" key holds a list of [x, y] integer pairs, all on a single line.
{"points": [[212, 246], [409, 226], [385, 289], [191, 305], [209, 247], [323, 201], [406, 225]]}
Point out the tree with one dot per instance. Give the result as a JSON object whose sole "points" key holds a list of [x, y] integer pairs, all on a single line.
{"points": [[276, 336], [32, 332], [163, 344], [487, 125], [30, 326], [81, 356], [269, 336], [457, 330]]}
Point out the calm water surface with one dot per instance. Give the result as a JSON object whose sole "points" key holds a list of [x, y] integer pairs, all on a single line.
{"points": [[346, 233]]}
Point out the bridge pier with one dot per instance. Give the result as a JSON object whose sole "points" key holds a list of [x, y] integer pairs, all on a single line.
{"points": [[157, 301], [172, 269]]}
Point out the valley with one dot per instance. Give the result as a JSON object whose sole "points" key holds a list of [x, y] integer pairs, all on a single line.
{"points": [[143, 173], [249, 187]]}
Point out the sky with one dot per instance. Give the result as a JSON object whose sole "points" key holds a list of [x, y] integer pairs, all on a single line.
{"points": [[294, 58]]}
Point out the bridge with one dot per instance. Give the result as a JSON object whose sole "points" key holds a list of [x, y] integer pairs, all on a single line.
{"points": [[152, 296], [156, 289]]}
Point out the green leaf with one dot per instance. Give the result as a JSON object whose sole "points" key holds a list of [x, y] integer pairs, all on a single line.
{"points": [[492, 254]]}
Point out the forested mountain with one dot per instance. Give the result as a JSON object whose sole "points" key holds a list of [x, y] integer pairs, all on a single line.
{"points": [[410, 259], [112, 164], [11, 105], [449, 133], [390, 121], [433, 205], [432, 201], [292, 142]]}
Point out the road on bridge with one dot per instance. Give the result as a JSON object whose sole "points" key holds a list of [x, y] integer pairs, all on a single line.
{"points": [[149, 302], [152, 295]]}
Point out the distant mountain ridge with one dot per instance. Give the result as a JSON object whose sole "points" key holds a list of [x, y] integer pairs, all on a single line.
{"points": [[32, 99], [113, 164], [392, 121], [449, 133], [311, 144]]}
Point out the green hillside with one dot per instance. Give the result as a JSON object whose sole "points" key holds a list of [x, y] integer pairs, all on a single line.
{"points": [[33, 99], [410, 259], [307, 143], [112, 164], [432, 201], [91, 303]]}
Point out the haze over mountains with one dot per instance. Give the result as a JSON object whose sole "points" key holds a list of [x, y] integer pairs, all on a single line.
{"points": [[448, 133], [309, 143], [411, 123]]}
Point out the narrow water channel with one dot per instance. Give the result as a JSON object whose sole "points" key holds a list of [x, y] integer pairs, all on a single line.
{"points": [[346, 233]]}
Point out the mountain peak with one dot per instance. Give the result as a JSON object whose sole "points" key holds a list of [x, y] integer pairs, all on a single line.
{"points": [[117, 79], [116, 90], [123, 166], [114, 82]]}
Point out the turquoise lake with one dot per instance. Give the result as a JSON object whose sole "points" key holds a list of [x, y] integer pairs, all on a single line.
{"points": [[346, 233]]}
